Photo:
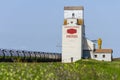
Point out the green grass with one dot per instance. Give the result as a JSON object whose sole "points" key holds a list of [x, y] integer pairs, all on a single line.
{"points": [[81, 70]]}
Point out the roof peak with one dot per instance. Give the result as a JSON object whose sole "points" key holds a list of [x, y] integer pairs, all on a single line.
{"points": [[73, 8]]}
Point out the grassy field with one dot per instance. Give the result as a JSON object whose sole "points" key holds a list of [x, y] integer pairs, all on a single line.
{"points": [[81, 70]]}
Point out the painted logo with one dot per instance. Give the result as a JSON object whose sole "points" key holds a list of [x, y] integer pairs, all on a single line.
{"points": [[71, 31]]}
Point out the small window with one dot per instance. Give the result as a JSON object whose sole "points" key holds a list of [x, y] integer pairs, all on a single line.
{"points": [[95, 56], [73, 15], [71, 22], [103, 56]]}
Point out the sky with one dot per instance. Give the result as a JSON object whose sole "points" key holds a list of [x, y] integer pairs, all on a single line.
{"points": [[36, 25]]}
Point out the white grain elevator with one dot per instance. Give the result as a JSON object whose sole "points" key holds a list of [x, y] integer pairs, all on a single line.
{"points": [[72, 33]]}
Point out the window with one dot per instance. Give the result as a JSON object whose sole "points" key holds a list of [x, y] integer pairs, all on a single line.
{"points": [[95, 56], [73, 15], [71, 22], [103, 56]]}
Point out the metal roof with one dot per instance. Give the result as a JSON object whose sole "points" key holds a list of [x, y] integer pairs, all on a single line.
{"points": [[103, 51], [73, 8]]}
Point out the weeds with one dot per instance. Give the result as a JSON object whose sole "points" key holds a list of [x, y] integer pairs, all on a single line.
{"points": [[81, 70]]}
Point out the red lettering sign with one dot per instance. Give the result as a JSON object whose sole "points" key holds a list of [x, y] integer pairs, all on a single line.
{"points": [[71, 31], [71, 36]]}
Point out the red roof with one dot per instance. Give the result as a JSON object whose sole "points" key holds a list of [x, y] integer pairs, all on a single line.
{"points": [[103, 51]]}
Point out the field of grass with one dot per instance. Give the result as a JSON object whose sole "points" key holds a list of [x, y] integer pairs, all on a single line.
{"points": [[81, 70]]}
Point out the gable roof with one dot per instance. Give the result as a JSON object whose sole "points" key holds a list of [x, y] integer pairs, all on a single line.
{"points": [[73, 8], [103, 51]]}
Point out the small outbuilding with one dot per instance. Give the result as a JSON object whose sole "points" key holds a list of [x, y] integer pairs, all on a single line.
{"points": [[103, 54]]}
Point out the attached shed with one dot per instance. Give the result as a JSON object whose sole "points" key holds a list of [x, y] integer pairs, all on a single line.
{"points": [[103, 54]]}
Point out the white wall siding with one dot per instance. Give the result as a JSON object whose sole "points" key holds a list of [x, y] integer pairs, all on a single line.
{"points": [[78, 14], [71, 47], [88, 45], [101, 58]]}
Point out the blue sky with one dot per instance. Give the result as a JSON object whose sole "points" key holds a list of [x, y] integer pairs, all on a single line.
{"points": [[36, 24]]}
